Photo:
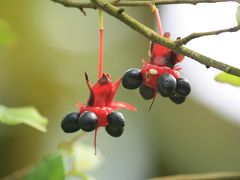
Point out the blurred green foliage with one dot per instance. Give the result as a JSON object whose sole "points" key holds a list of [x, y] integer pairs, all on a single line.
{"points": [[238, 15], [26, 115], [49, 168], [228, 78], [7, 35]]}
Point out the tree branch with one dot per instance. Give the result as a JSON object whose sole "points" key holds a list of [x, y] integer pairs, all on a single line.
{"points": [[207, 176], [153, 36], [135, 3], [192, 36]]}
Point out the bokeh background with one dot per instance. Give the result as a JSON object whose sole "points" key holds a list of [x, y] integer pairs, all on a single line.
{"points": [[45, 68]]}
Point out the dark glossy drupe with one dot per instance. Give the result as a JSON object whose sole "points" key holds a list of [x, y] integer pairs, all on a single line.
{"points": [[70, 123], [114, 131], [116, 119], [166, 84], [88, 121], [146, 92], [183, 86], [176, 98], [132, 78]]}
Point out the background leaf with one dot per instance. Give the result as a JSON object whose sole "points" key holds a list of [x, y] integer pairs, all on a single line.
{"points": [[227, 78], [26, 115], [50, 168], [7, 36], [238, 15], [80, 158]]}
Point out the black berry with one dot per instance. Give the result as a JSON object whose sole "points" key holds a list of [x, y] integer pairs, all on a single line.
{"points": [[116, 119], [132, 78], [70, 123], [166, 84], [88, 121], [183, 87], [114, 131], [177, 98], [146, 92]]}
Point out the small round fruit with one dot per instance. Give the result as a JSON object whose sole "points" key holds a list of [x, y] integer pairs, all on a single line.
{"points": [[146, 92], [183, 86], [114, 131], [166, 84], [88, 121], [132, 78], [116, 119], [70, 123], [176, 98]]}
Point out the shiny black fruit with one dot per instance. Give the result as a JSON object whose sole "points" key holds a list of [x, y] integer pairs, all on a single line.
{"points": [[88, 121], [183, 86], [116, 119], [132, 78], [146, 92], [166, 84], [70, 123], [114, 131], [177, 98]]}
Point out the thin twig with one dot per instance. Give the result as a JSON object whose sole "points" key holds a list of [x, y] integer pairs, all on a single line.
{"points": [[207, 176], [135, 3], [192, 36], [83, 11], [17, 175]]}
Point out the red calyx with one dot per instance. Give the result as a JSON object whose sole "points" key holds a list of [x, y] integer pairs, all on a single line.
{"points": [[163, 56], [101, 99], [151, 73]]}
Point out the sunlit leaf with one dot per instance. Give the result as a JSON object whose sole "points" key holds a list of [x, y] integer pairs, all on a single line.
{"points": [[238, 15], [7, 35], [81, 158], [50, 168], [26, 115], [85, 158], [228, 78]]}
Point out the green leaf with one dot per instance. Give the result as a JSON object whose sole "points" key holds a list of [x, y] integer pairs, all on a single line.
{"points": [[80, 158], [26, 115], [238, 15], [50, 168], [228, 78], [7, 35]]}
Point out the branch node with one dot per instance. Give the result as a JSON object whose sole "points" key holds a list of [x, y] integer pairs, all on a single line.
{"points": [[120, 10], [114, 2], [207, 66], [83, 11]]}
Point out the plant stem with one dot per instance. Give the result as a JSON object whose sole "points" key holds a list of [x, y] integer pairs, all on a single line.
{"points": [[207, 176], [135, 3], [158, 19], [100, 61], [192, 36]]}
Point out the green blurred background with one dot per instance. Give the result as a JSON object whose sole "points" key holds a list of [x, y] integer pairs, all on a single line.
{"points": [[44, 68]]}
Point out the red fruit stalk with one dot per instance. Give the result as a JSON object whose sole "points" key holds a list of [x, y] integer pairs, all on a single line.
{"points": [[158, 19], [100, 66]]}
